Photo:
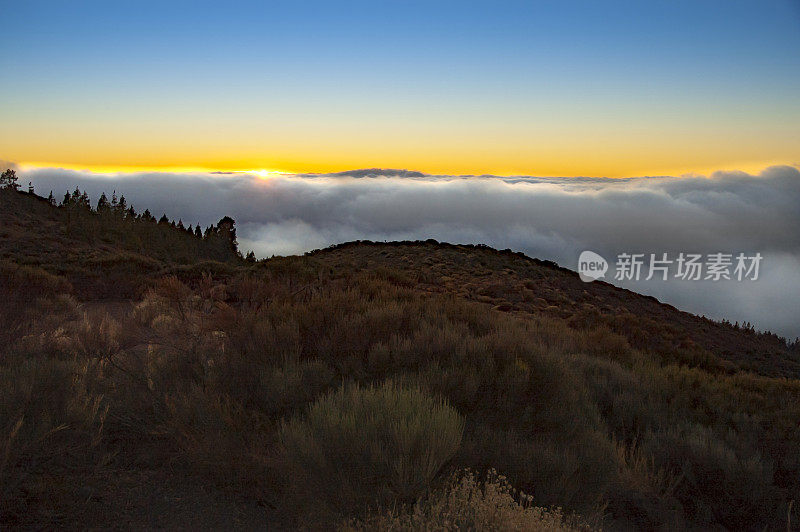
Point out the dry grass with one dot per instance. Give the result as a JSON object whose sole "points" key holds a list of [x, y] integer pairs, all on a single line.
{"points": [[467, 503]]}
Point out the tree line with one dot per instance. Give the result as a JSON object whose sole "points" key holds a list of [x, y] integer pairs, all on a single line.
{"points": [[114, 220]]}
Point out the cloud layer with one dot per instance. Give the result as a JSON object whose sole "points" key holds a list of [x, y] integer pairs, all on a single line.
{"points": [[551, 218]]}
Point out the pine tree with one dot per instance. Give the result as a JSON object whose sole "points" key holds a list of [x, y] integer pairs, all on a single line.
{"points": [[8, 179], [164, 219], [51, 199], [122, 206], [80, 199], [75, 198], [227, 228], [198, 232], [102, 204]]}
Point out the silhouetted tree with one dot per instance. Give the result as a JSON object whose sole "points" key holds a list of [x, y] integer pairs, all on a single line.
{"points": [[163, 219], [227, 229], [8, 179], [51, 199], [121, 207], [198, 232], [102, 204]]}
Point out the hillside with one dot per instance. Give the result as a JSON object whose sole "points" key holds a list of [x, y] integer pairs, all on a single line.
{"points": [[512, 282], [153, 377]]}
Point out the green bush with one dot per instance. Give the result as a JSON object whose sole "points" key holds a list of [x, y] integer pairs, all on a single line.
{"points": [[358, 447]]}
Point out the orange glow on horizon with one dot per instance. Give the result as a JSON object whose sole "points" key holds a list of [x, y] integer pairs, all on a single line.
{"points": [[753, 168], [130, 169]]}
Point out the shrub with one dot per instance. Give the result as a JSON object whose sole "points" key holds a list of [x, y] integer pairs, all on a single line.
{"points": [[219, 442], [359, 447], [49, 423], [23, 290], [468, 504]]}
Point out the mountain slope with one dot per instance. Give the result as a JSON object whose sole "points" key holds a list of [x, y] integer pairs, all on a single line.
{"points": [[512, 282], [124, 360]]}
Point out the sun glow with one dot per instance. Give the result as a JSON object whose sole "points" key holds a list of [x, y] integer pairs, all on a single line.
{"points": [[264, 173]]}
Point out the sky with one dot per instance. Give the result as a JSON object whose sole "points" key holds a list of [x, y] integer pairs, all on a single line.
{"points": [[561, 88]]}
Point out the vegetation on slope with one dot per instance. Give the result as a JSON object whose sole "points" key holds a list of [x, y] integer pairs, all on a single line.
{"points": [[232, 376]]}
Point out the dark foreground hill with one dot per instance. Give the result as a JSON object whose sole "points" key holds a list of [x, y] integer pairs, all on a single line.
{"points": [[152, 377]]}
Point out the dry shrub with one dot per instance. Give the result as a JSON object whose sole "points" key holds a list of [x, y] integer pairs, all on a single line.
{"points": [[49, 423], [119, 274], [602, 341], [574, 474], [253, 293], [24, 291], [467, 503], [718, 484], [97, 337], [271, 391], [358, 447], [644, 496], [220, 441], [32, 281], [262, 340], [174, 291]]}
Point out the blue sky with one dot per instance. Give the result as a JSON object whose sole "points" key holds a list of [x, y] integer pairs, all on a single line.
{"points": [[287, 79]]}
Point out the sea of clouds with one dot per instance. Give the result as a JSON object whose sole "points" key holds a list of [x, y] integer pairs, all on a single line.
{"points": [[548, 218]]}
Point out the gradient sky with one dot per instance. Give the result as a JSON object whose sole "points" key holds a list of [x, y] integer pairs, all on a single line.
{"points": [[542, 88]]}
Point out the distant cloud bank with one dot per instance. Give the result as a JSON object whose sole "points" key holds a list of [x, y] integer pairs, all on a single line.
{"points": [[551, 218]]}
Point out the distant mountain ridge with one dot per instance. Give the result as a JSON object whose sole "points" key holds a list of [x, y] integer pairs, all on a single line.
{"points": [[376, 172]]}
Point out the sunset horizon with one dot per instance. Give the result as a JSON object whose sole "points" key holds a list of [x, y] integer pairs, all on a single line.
{"points": [[752, 168], [531, 89]]}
